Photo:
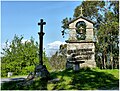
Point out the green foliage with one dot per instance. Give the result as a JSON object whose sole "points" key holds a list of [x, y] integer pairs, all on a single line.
{"points": [[18, 56], [84, 79], [46, 62], [65, 25], [58, 60], [90, 9], [26, 70], [108, 39], [21, 58]]}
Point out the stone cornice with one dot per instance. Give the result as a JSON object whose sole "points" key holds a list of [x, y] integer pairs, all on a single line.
{"points": [[79, 41]]}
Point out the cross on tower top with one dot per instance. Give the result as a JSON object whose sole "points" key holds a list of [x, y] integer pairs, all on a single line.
{"points": [[81, 9]]}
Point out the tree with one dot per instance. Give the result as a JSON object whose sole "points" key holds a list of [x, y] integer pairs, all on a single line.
{"points": [[19, 57], [108, 38], [46, 61], [65, 25], [58, 60]]}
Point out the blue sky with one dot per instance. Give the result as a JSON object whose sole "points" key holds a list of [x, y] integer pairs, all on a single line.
{"points": [[21, 18]]}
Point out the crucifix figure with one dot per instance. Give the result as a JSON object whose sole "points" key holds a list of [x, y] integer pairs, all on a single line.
{"points": [[81, 9], [41, 34]]}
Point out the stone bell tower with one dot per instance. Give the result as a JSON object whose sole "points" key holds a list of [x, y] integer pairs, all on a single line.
{"points": [[81, 44]]}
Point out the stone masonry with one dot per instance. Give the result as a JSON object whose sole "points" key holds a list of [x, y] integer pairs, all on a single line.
{"points": [[84, 50]]}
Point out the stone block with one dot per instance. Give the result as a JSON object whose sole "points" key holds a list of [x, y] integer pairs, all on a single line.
{"points": [[41, 71]]}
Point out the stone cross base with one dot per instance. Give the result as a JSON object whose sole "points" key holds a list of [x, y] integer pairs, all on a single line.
{"points": [[41, 71]]}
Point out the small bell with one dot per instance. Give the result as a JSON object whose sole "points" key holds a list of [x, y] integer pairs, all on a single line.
{"points": [[81, 30]]}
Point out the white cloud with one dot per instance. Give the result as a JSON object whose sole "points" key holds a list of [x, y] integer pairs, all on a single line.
{"points": [[25, 40], [55, 45], [3, 45]]}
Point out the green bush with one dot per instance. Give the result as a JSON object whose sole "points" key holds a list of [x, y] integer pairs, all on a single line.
{"points": [[27, 70]]}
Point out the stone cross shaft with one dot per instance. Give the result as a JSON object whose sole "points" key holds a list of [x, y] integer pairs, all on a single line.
{"points": [[41, 34], [81, 9]]}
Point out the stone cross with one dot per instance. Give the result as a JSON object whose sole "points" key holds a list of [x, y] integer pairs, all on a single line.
{"points": [[81, 9], [41, 34]]}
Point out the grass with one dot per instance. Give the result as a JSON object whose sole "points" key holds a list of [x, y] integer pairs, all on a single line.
{"points": [[84, 79]]}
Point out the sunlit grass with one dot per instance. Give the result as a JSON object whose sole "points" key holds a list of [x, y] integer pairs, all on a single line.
{"points": [[84, 79]]}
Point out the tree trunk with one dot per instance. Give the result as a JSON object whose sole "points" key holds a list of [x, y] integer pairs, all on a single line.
{"points": [[104, 61], [111, 61]]}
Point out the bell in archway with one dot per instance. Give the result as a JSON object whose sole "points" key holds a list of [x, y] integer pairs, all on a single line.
{"points": [[81, 30]]}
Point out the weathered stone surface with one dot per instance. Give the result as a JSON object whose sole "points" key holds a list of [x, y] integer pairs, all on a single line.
{"points": [[30, 76], [69, 65], [81, 52], [72, 35], [76, 67], [89, 24], [89, 29], [41, 71]]}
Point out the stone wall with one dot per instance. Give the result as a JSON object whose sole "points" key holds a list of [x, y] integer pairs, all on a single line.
{"points": [[89, 30], [79, 51], [86, 51]]}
